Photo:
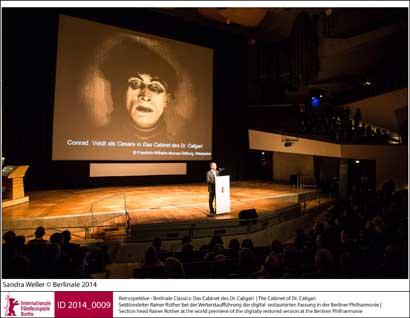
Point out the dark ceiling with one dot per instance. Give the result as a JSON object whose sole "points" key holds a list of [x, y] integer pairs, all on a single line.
{"points": [[378, 35], [274, 24]]}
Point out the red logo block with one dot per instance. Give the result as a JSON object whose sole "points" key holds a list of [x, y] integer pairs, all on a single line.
{"points": [[11, 303], [83, 304]]}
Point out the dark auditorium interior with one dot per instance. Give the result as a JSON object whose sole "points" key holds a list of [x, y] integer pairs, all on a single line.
{"points": [[309, 119]]}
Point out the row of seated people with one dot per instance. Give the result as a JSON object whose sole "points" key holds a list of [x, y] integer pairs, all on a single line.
{"points": [[364, 237], [338, 125], [57, 257]]}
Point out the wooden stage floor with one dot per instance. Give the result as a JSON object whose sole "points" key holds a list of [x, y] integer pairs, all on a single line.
{"points": [[145, 204]]}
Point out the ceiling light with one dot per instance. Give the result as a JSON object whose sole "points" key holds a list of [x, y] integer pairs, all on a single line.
{"points": [[328, 11], [289, 141]]}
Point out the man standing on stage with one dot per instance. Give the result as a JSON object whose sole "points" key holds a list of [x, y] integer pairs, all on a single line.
{"points": [[210, 179]]}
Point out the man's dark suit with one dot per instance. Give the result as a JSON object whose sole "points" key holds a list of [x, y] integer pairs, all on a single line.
{"points": [[210, 179]]}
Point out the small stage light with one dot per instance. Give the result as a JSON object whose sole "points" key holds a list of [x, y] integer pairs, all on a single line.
{"points": [[289, 141], [315, 101], [357, 161]]}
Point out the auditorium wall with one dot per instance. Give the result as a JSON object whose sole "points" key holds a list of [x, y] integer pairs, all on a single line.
{"points": [[287, 164], [259, 140], [345, 55], [391, 160], [381, 110]]}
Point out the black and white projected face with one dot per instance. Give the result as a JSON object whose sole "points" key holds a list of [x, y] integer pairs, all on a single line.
{"points": [[147, 98], [122, 95]]}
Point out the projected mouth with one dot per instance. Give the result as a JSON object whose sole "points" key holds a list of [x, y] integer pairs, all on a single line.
{"points": [[144, 109]]}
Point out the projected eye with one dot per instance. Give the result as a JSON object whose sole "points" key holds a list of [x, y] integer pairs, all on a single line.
{"points": [[155, 87], [135, 84]]}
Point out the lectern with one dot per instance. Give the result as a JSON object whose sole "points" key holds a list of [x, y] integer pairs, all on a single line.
{"points": [[13, 185], [222, 194]]}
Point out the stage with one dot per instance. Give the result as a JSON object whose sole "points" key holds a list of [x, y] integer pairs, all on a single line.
{"points": [[101, 210]]}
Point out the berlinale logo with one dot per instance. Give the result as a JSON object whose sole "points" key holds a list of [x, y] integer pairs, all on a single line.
{"points": [[10, 304]]}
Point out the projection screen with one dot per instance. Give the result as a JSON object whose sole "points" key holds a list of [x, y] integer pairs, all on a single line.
{"points": [[123, 95]]}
